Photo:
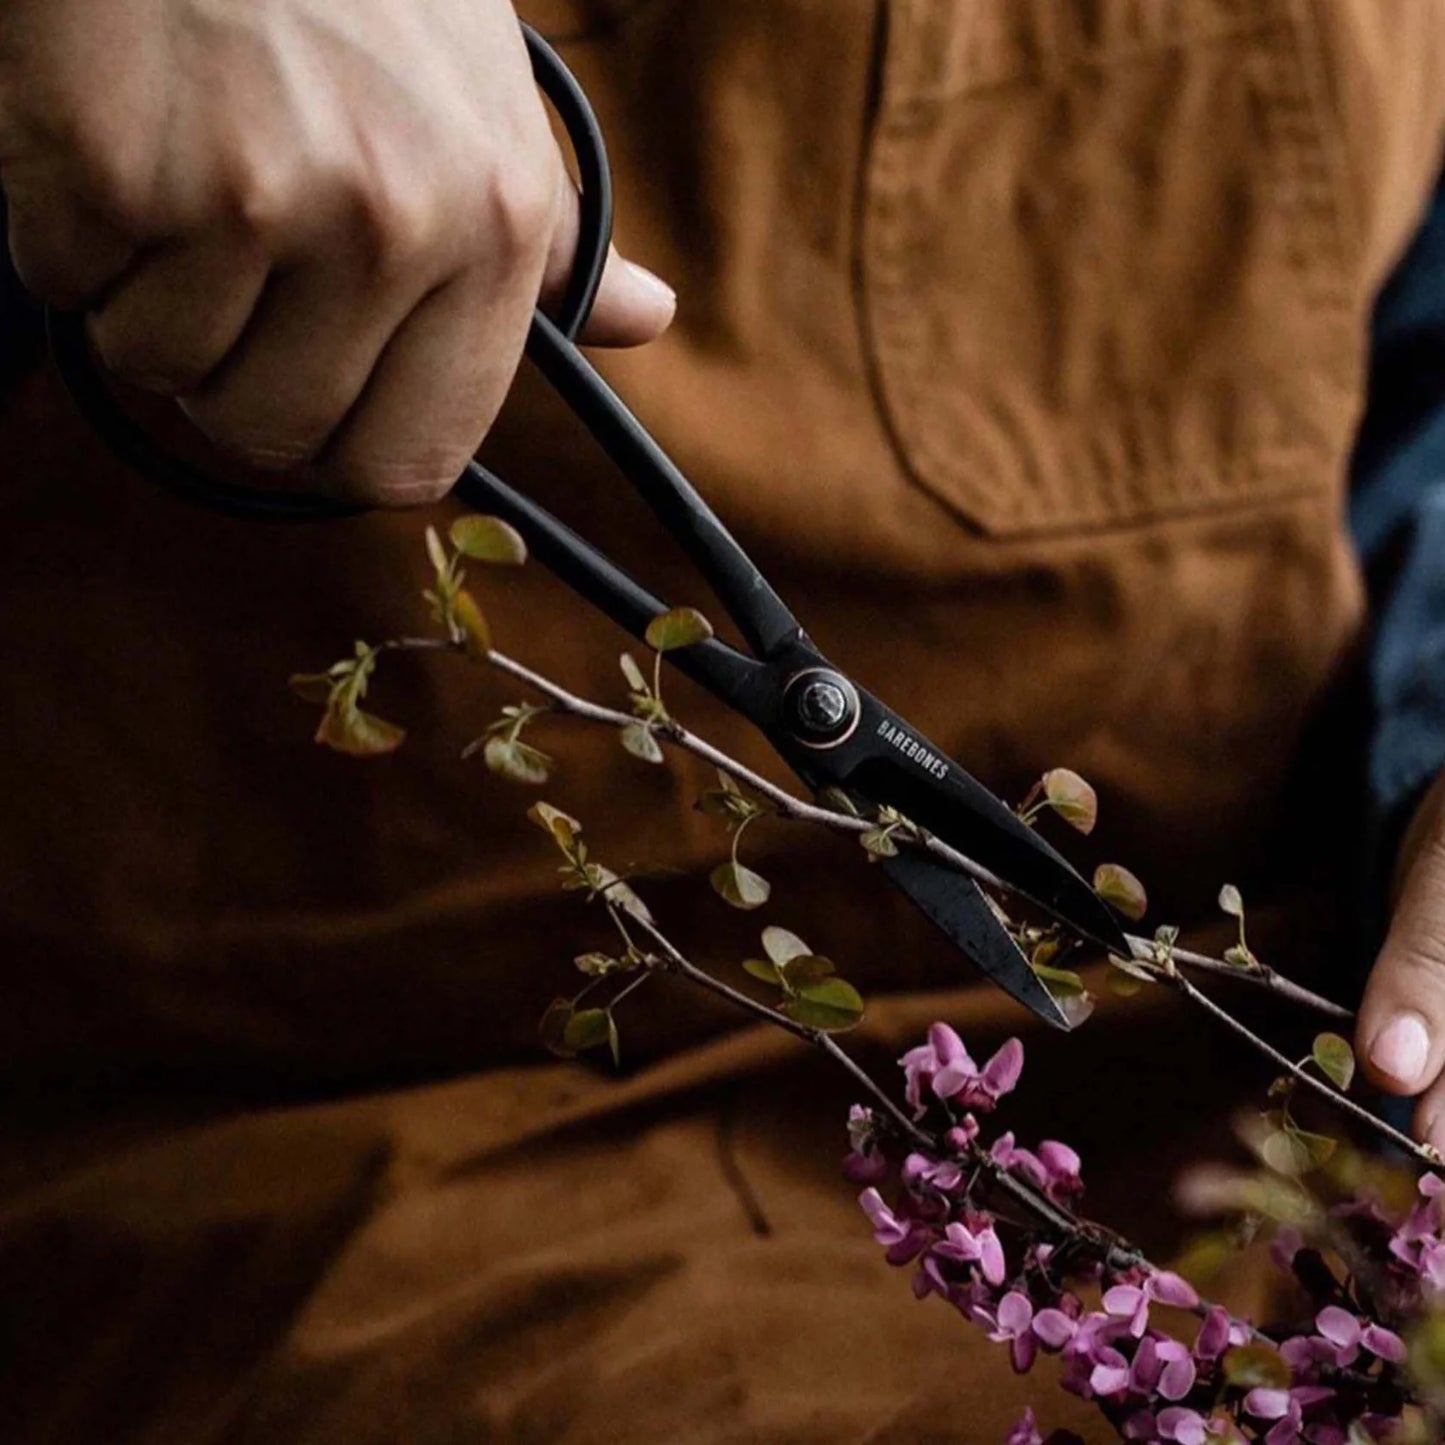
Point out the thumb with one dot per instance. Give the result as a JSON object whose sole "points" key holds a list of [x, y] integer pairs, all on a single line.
{"points": [[1402, 1019], [633, 306]]}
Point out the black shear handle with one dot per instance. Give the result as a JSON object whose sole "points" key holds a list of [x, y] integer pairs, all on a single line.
{"points": [[132, 444]]}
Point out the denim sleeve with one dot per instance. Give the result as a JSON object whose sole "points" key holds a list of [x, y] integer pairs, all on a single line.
{"points": [[1397, 516]]}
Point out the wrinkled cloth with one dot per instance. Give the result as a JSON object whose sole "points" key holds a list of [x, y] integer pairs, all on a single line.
{"points": [[1023, 344]]}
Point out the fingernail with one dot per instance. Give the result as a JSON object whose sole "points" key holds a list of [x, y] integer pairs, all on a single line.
{"points": [[654, 283], [1401, 1048]]}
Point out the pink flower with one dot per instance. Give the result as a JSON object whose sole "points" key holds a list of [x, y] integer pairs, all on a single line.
{"points": [[945, 1068], [1025, 1431], [974, 1246], [1013, 1323], [1131, 1302], [904, 1240], [942, 1174], [1286, 1408], [1186, 1427]]}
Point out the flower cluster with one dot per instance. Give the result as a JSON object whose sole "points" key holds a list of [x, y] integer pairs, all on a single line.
{"points": [[1160, 1364]]}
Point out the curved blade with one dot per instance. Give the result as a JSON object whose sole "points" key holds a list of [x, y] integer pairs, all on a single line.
{"points": [[959, 908], [901, 769]]}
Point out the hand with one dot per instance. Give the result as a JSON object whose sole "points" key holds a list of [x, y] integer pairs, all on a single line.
{"points": [[322, 227], [1401, 1031]]}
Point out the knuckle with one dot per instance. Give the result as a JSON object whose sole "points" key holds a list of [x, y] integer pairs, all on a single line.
{"points": [[400, 221], [521, 211]]}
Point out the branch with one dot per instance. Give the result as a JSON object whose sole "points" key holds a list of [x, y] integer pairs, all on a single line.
{"points": [[788, 806], [1116, 1254]]}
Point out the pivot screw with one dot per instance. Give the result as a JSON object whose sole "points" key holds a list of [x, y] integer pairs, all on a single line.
{"points": [[821, 707]]}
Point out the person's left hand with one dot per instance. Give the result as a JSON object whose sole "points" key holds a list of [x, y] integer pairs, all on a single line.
{"points": [[1401, 1030]]}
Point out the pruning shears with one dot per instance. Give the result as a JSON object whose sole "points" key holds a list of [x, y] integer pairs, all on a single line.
{"points": [[838, 738]]}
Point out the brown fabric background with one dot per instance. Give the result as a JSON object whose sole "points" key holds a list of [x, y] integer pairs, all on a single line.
{"points": [[1022, 345]]}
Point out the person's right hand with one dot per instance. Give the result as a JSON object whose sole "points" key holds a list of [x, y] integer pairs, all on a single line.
{"points": [[322, 227]]}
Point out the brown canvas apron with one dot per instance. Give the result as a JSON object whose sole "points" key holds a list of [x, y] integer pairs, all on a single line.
{"points": [[1021, 341]]}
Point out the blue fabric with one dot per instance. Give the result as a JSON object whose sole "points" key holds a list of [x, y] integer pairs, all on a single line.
{"points": [[1397, 515]]}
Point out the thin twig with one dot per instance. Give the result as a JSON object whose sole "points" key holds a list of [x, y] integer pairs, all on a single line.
{"points": [[1425, 1153]]}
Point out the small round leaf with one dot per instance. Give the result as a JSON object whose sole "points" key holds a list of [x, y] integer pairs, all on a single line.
{"points": [[782, 946], [1121, 890], [682, 627], [639, 740], [563, 828], [740, 886], [1231, 901], [630, 670], [833, 1005], [760, 968], [489, 539], [1072, 798], [517, 761], [358, 734], [1336, 1059], [587, 1029]]}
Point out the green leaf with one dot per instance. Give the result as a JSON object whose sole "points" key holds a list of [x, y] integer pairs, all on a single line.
{"points": [[614, 1042], [1121, 890], [639, 740], [489, 539], [348, 729], [312, 686], [762, 969], [1238, 956], [1336, 1059], [833, 1005], [1123, 985], [587, 1029], [563, 828], [740, 886], [1133, 968], [597, 965], [476, 632], [1073, 799], [878, 843], [782, 946], [807, 969], [682, 627], [553, 1028], [1295, 1152], [1061, 981], [630, 670], [1256, 1366], [517, 761], [1230, 901]]}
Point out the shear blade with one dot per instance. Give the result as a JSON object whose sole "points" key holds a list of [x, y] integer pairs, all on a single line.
{"points": [[959, 810], [957, 905]]}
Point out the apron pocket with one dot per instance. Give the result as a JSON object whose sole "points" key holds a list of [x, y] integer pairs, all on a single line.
{"points": [[1104, 274]]}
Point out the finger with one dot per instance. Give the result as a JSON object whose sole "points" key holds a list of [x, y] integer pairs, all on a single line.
{"points": [[433, 395], [1430, 1115], [1401, 1029], [168, 323], [301, 363], [633, 306], [64, 252]]}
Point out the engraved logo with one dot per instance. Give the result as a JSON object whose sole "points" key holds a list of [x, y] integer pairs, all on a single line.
{"points": [[912, 749]]}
